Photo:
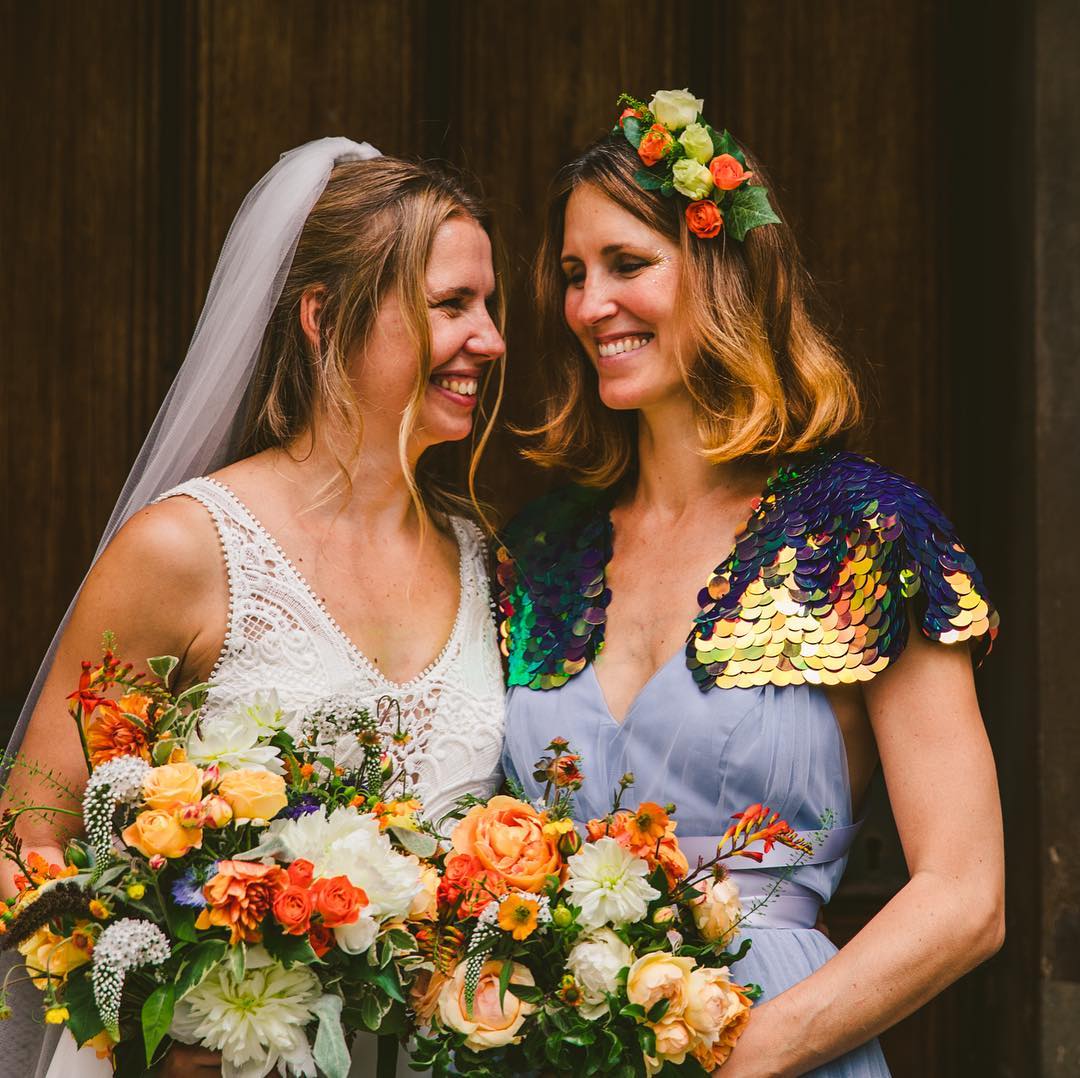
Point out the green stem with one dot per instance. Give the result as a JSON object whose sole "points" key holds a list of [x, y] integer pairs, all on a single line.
{"points": [[78, 716]]}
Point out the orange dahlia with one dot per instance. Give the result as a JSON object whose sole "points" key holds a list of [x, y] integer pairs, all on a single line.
{"points": [[240, 896]]}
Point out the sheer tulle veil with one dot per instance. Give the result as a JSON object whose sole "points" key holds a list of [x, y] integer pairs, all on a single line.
{"points": [[197, 427]]}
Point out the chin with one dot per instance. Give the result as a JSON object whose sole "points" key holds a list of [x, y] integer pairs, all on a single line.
{"points": [[622, 395]]}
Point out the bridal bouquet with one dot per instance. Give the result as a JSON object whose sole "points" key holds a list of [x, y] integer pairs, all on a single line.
{"points": [[235, 888], [601, 953]]}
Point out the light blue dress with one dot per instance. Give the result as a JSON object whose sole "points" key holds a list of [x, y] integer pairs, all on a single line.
{"points": [[713, 754], [817, 590]]}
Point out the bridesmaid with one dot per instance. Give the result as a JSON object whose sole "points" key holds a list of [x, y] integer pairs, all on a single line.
{"points": [[701, 412]]}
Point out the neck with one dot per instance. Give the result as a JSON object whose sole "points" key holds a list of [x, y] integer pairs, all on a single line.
{"points": [[376, 496], [673, 476]]}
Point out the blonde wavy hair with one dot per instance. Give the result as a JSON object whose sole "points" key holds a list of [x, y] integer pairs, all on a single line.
{"points": [[370, 231], [764, 379]]}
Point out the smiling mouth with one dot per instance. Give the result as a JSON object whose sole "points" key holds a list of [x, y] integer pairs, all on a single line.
{"points": [[462, 385], [622, 345]]}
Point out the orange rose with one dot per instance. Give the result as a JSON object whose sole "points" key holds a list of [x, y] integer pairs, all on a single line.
{"points": [[110, 734], [301, 872], [704, 218], [727, 173], [239, 897], [321, 939], [507, 837], [629, 112], [655, 144], [161, 834], [337, 901], [292, 910]]}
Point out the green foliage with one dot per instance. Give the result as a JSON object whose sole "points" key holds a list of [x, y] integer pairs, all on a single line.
{"points": [[198, 961], [749, 208], [85, 1022], [157, 1016], [632, 129]]}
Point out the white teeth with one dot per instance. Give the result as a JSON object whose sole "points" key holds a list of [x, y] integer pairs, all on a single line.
{"points": [[466, 387], [624, 344]]}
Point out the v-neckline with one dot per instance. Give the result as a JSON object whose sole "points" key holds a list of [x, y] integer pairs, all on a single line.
{"points": [[358, 656], [606, 507]]}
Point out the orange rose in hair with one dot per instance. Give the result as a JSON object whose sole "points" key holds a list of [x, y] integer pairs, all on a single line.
{"points": [[727, 173], [704, 218], [629, 112], [655, 143], [507, 837]]}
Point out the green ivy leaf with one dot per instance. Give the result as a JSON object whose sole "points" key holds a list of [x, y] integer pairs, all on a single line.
{"points": [[632, 130], [658, 1010], [157, 1016], [163, 666], [288, 950], [200, 961], [749, 208], [647, 180]]}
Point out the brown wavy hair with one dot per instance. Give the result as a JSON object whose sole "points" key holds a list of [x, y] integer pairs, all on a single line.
{"points": [[371, 230], [764, 379]]}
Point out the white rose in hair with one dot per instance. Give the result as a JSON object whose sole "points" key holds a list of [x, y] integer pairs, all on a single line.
{"points": [[675, 108]]}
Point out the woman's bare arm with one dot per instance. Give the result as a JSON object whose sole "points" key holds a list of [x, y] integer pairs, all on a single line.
{"points": [[948, 918], [161, 587]]}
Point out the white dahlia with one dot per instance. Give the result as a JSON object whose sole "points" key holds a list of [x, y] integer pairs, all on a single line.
{"points": [[609, 884], [234, 741], [256, 1023], [350, 843]]}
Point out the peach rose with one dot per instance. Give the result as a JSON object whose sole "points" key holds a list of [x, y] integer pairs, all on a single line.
{"points": [[239, 897], [52, 956], [292, 910], [654, 144], [490, 1024], [172, 786], [717, 910], [253, 795], [727, 173], [660, 976], [507, 837], [216, 811], [704, 218], [424, 993], [425, 906], [716, 1006], [160, 834], [673, 1040]]}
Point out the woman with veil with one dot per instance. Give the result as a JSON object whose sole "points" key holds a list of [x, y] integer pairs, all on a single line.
{"points": [[280, 529]]}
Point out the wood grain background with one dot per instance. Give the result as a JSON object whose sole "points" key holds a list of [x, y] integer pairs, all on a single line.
{"points": [[130, 132]]}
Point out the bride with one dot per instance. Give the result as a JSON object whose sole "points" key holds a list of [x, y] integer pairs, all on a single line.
{"points": [[351, 325]]}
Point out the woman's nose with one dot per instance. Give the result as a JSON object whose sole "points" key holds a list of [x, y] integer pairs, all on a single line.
{"points": [[596, 302], [486, 340]]}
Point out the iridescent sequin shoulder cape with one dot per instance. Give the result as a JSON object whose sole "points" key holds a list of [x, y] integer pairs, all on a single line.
{"points": [[814, 590]]}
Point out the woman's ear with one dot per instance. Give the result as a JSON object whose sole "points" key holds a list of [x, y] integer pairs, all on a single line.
{"points": [[311, 303]]}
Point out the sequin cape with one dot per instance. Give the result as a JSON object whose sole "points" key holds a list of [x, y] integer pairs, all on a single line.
{"points": [[813, 591]]}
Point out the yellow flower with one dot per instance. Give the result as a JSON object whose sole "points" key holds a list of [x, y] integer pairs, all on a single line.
{"points": [[697, 142], [559, 827], [102, 1044], [253, 795], [160, 832], [135, 891], [517, 915], [99, 910], [57, 1016], [51, 957], [173, 786]]}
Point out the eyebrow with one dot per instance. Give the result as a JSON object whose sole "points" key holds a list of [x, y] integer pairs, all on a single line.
{"points": [[460, 292], [610, 249]]}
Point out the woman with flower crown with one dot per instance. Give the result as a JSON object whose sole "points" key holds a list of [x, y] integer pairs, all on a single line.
{"points": [[281, 530], [702, 411]]}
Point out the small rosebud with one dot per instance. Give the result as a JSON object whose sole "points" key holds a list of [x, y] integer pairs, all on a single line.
{"points": [[217, 812], [158, 862], [627, 779], [192, 816], [561, 916], [386, 766], [135, 891], [664, 915], [211, 776], [569, 844]]}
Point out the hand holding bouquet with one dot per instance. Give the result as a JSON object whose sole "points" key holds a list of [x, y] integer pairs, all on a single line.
{"points": [[236, 888], [600, 953]]}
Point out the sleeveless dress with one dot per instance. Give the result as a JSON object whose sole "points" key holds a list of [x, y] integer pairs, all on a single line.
{"points": [[280, 636], [814, 593]]}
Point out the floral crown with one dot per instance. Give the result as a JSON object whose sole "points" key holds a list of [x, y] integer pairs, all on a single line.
{"points": [[682, 153]]}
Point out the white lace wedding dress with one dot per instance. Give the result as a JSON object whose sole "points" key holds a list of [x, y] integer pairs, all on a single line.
{"points": [[280, 636]]}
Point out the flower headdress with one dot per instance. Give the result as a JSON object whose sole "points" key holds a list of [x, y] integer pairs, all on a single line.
{"points": [[682, 153]]}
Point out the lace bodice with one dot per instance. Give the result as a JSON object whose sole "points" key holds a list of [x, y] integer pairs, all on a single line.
{"points": [[280, 636]]}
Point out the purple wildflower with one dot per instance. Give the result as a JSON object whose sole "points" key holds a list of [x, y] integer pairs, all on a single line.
{"points": [[187, 890], [305, 803]]}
